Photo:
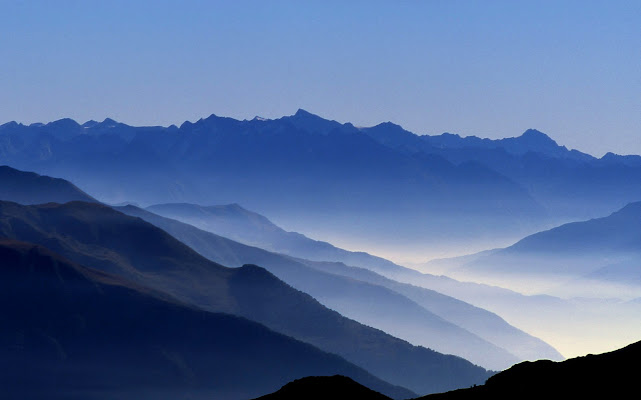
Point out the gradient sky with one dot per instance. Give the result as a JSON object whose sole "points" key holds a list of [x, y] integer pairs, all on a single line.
{"points": [[571, 69]]}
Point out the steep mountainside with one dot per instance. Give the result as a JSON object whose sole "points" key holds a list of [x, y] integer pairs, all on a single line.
{"points": [[369, 303], [31, 188], [102, 238], [71, 332]]}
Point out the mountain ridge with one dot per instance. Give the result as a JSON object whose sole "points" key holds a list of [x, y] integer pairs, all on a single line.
{"points": [[72, 332], [258, 231], [367, 302], [102, 238]]}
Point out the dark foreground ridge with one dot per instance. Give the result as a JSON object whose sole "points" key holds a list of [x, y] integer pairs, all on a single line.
{"points": [[605, 376], [335, 387], [99, 237], [610, 375], [70, 332]]}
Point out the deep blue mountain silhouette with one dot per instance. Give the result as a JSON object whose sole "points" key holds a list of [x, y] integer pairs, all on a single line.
{"points": [[306, 160], [72, 332], [303, 168], [31, 188], [102, 238], [555, 176], [245, 226]]}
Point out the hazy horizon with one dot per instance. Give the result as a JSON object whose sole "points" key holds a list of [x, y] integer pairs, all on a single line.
{"points": [[486, 69]]}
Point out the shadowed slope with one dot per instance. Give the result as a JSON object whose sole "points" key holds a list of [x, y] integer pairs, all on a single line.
{"points": [[69, 332], [31, 188], [103, 238]]}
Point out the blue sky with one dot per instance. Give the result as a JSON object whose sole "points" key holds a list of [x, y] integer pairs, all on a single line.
{"points": [[490, 68]]}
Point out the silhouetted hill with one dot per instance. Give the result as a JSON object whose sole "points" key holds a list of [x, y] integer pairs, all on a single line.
{"points": [[324, 388], [368, 303], [605, 376], [71, 332], [31, 188], [102, 238]]}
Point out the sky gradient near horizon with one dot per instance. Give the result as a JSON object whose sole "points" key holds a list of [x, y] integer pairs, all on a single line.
{"points": [[571, 69]]}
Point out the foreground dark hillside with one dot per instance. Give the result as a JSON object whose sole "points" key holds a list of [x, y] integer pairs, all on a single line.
{"points": [[102, 238], [611, 375], [69, 332], [324, 387]]}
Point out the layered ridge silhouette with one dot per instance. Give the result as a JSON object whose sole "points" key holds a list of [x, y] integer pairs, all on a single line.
{"points": [[100, 237], [365, 303], [68, 331]]}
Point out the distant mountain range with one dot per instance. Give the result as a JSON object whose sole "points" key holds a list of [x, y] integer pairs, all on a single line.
{"points": [[72, 332], [599, 258], [336, 181], [570, 184], [310, 173]]}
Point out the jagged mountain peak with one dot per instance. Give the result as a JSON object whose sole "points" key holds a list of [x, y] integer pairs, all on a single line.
{"points": [[109, 122], [304, 113], [534, 134]]}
